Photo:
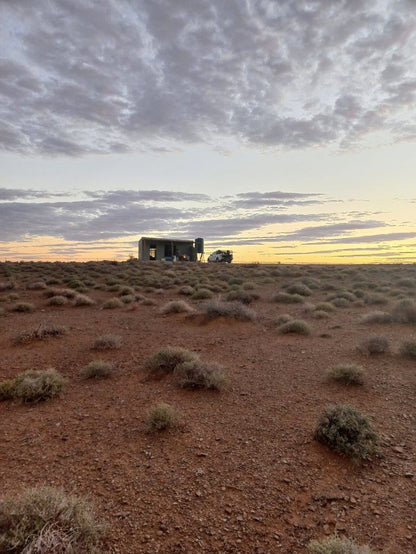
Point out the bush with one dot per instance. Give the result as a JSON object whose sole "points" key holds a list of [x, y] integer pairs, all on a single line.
{"points": [[202, 294], [7, 389], [377, 317], [97, 369], [347, 431], [186, 290], [336, 545], [107, 342], [176, 307], [24, 307], [348, 374], [297, 326], [44, 520], [57, 300], [166, 359], [299, 288], [83, 300], [240, 296], [375, 299], [325, 307], [320, 314], [160, 417], [128, 298], [283, 318], [405, 311], [287, 298], [408, 348], [38, 385], [112, 303], [374, 344], [234, 310], [43, 332], [196, 374]]}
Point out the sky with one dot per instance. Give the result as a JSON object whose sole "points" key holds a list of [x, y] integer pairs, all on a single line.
{"points": [[284, 130]]}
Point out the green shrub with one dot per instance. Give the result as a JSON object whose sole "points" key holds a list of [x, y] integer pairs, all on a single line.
{"points": [[408, 348], [24, 307], [46, 520], [107, 342], [112, 303], [348, 374], [176, 307], [38, 385], [160, 417], [336, 545], [347, 431], [197, 374], [97, 369], [286, 298], [57, 300], [166, 359], [374, 344], [297, 326]]}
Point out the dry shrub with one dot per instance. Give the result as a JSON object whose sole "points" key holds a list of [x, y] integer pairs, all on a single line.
{"points": [[377, 317], [348, 374], [7, 389], [374, 344], [408, 348], [37, 385], [83, 300], [36, 285], [375, 299], [296, 326], [337, 545], [57, 300], [46, 520], [325, 307], [107, 342], [160, 417], [347, 431], [67, 293], [6, 286], [286, 298], [176, 307], [186, 290], [97, 369], [23, 307], [166, 359], [299, 288], [43, 332], [241, 296], [112, 303], [197, 374], [283, 318], [202, 294], [233, 310], [405, 311]]}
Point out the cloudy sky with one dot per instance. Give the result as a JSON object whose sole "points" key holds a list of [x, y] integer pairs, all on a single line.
{"points": [[283, 129]]}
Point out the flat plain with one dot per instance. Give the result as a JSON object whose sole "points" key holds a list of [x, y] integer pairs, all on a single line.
{"points": [[241, 471]]}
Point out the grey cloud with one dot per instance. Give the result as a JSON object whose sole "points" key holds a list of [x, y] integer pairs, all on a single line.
{"points": [[123, 196], [80, 77], [15, 194], [386, 237], [311, 233]]}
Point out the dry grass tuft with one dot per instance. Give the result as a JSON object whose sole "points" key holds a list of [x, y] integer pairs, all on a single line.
{"points": [[107, 342], [38, 385], [43, 332], [176, 307], [296, 326], [57, 300], [161, 417], [408, 348], [23, 307], [377, 317], [46, 520], [348, 374], [374, 344], [405, 311], [112, 303], [233, 310], [197, 374], [83, 300], [97, 369], [337, 545], [286, 298], [166, 359]]}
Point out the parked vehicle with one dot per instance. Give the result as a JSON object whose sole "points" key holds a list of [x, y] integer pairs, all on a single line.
{"points": [[221, 256]]}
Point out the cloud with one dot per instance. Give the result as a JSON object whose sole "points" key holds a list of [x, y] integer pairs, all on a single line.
{"points": [[83, 77], [386, 237], [22, 194], [311, 233]]}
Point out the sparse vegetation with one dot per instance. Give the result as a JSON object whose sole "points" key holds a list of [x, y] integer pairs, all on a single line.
{"points": [[176, 307], [161, 417], [299, 288], [405, 311], [347, 431], [296, 326], [112, 303], [337, 545], [23, 307], [97, 369], [286, 298], [38, 385], [374, 344], [348, 374], [43, 332], [377, 317], [57, 300], [107, 342], [408, 348], [234, 310], [202, 294], [83, 300], [197, 374], [46, 520], [166, 359]]}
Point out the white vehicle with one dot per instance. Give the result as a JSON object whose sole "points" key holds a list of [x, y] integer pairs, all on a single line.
{"points": [[221, 256]]}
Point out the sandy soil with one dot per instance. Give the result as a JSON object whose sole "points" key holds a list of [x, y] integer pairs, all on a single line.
{"points": [[242, 473]]}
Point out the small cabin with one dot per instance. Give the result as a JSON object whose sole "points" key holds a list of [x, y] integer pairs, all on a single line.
{"points": [[170, 250]]}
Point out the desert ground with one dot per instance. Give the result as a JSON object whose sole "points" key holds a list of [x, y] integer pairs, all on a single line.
{"points": [[240, 471]]}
